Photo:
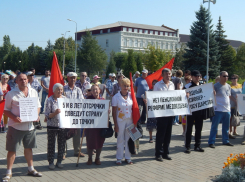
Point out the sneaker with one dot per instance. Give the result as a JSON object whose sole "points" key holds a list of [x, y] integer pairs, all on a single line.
{"points": [[188, 150], [199, 149], [51, 166], [59, 165], [176, 124], [39, 127], [229, 144], [243, 143], [211, 146]]}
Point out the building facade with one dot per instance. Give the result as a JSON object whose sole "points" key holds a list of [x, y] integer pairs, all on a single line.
{"points": [[121, 36]]}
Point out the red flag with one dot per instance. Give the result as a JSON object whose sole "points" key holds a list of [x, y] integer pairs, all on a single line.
{"points": [[56, 76], [158, 74], [2, 103], [135, 107]]}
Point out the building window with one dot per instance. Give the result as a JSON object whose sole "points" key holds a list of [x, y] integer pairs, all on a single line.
{"points": [[136, 30], [156, 32], [141, 44], [161, 45], [107, 43], [108, 30], [101, 31], [170, 34], [136, 43], [146, 31], [161, 33], [130, 43], [175, 35], [166, 33], [140, 31], [130, 29], [124, 29], [151, 32], [125, 42]]}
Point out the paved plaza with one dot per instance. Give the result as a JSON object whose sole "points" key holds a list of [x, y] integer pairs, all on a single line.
{"points": [[184, 167]]}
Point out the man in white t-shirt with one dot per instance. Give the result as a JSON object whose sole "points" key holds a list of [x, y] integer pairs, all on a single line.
{"points": [[222, 110], [164, 124], [20, 131]]}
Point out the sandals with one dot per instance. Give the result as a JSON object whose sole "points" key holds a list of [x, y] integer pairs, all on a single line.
{"points": [[151, 141], [119, 162], [34, 173], [128, 161], [7, 177], [236, 134]]}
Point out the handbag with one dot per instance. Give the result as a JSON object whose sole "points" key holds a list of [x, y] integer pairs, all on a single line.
{"points": [[70, 133], [107, 132], [235, 120]]}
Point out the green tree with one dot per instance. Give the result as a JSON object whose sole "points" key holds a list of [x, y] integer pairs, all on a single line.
{"points": [[120, 59], [138, 56], [179, 59], [155, 58], [240, 61], [130, 65], [196, 54], [111, 68], [227, 57], [91, 57]]}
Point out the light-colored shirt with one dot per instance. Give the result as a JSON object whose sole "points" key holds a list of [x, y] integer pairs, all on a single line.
{"points": [[75, 93], [12, 84], [35, 85], [223, 93], [46, 81], [109, 86], [82, 86], [12, 105], [51, 106], [124, 107], [234, 91], [161, 86], [142, 86]]}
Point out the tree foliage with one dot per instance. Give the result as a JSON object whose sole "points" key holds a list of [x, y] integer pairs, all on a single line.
{"points": [[240, 61], [111, 68], [91, 57], [179, 59], [130, 65], [196, 53]]}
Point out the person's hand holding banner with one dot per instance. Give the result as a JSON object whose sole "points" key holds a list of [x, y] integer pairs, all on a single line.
{"points": [[17, 119]]}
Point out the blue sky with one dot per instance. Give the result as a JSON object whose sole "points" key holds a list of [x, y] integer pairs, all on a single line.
{"points": [[27, 21]]}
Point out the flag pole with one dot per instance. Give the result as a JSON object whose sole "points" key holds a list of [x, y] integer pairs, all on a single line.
{"points": [[80, 148]]}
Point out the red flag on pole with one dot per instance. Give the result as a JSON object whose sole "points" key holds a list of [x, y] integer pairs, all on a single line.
{"points": [[135, 107], [56, 76], [2, 103], [158, 74]]}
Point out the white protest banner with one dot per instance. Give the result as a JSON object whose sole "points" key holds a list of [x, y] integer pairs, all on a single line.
{"points": [[28, 109], [167, 103], [201, 97], [241, 103], [83, 113]]}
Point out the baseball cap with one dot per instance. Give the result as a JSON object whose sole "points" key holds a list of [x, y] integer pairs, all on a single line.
{"points": [[137, 72], [110, 74], [29, 73], [144, 71], [195, 73], [96, 77], [87, 87], [113, 75], [70, 74]]}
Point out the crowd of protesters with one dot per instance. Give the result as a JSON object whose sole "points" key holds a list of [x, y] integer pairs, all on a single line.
{"points": [[116, 89]]}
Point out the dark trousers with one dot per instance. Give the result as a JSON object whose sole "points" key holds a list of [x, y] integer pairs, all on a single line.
{"points": [[61, 140], [142, 109], [198, 126], [163, 135]]}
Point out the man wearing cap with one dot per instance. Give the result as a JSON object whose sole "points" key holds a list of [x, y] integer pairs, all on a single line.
{"points": [[164, 124], [108, 78], [95, 80], [140, 86], [73, 92], [109, 86], [82, 83], [136, 75], [222, 111], [18, 130], [196, 117]]}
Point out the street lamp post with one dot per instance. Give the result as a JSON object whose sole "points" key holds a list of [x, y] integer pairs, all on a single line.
{"points": [[63, 72], [75, 45], [204, 1], [20, 64]]}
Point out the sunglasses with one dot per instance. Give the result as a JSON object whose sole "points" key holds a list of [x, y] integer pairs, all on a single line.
{"points": [[233, 78], [89, 90], [226, 76]]}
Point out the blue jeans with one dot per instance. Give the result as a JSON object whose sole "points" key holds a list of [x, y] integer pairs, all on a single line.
{"points": [[225, 118], [176, 120], [44, 95]]}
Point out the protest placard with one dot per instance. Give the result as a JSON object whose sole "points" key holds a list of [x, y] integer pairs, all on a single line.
{"points": [[133, 132], [241, 104], [201, 97], [83, 113], [28, 109], [166, 103]]}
